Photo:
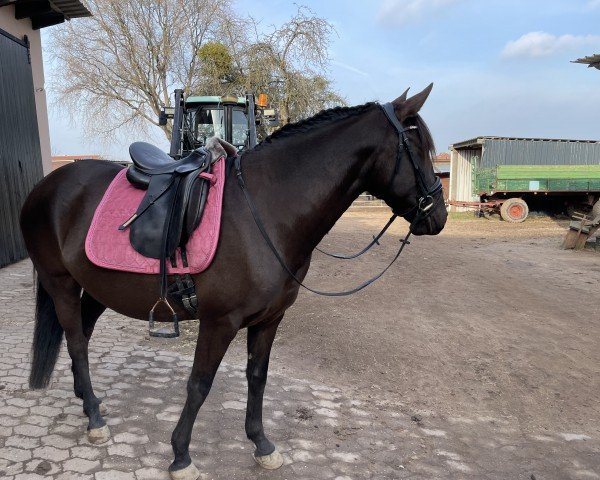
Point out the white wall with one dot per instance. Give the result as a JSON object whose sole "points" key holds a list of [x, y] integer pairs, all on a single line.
{"points": [[18, 28], [461, 188]]}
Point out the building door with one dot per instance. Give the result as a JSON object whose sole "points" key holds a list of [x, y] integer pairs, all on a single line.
{"points": [[20, 153]]}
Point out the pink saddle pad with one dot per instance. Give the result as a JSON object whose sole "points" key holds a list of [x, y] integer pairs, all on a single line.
{"points": [[108, 247]]}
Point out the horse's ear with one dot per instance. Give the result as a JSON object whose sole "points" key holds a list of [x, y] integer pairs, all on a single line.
{"points": [[412, 106], [401, 99]]}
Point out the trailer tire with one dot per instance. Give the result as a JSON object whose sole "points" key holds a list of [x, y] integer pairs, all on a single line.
{"points": [[514, 210]]}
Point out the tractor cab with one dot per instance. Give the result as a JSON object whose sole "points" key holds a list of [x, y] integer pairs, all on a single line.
{"points": [[223, 117], [232, 118]]}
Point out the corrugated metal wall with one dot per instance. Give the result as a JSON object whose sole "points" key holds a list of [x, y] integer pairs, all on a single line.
{"points": [[537, 152], [462, 163], [20, 155]]}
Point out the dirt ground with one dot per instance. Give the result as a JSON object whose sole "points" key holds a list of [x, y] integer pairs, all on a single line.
{"points": [[488, 319]]}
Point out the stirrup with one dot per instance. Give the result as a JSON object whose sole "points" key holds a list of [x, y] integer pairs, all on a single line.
{"points": [[163, 332]]}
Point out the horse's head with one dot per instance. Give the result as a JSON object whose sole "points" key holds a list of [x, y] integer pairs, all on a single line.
{"points": [[403, 173]]}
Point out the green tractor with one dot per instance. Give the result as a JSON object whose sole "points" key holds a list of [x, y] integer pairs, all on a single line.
{"points": [[234, 119]]}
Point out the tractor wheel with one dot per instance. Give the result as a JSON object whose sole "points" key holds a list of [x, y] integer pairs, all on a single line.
{"points": [[514, 210]]}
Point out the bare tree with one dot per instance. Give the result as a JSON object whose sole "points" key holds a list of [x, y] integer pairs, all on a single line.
{"points": [[120, 66], [289, 63]]}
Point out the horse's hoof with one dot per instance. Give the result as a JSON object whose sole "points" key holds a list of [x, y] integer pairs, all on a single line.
{"points": [[99, 435], [103, 409], [188, 473], [270, 462]]}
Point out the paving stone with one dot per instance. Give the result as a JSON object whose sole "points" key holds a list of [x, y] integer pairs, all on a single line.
{"points": [[81, 465], [89, 453], [117, 462], [42, 467], [131, 438], [39, 420], [21, 402], [114, 475], [59, 441], [51, 453], [74, 476], [150, 473], [13, 411], [47, 411], [123, 449], [20, 441], [30, 430], [29, 476], [15, 454]]}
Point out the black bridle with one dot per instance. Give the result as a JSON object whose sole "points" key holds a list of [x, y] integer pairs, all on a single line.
{"points": [[425, 200], [424, 206]]}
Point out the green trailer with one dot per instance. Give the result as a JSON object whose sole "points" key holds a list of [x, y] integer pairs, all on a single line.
{"points": [[508, 175]]}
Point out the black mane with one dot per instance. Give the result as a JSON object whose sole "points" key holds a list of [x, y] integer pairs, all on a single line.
{"points": [[321, 118], [340, 113]]}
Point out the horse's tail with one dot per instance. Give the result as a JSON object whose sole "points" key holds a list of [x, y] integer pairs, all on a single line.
{"points": [[47, 339]]}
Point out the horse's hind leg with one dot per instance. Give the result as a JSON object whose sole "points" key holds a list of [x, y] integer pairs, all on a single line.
{"points": [[213, 340], [90, 312], [260, 340], [65, 293]]}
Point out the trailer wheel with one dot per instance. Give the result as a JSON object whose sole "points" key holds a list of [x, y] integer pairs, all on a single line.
{"points": [[514, 210]]}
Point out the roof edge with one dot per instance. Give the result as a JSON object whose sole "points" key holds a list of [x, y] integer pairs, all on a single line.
{"points": [[482, 139]]}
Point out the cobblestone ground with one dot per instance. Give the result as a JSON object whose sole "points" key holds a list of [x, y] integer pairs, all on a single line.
{"points": [[323, 431]]}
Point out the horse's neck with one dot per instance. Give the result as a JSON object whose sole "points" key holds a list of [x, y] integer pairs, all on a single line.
{"points": [[310, 181]]}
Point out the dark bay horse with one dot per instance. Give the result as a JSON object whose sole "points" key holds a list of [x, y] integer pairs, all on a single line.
{"points": [[301, 180]]}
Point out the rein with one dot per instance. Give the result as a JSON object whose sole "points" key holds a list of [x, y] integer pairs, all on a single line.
{"points": [[375, 241], [424, 208]]}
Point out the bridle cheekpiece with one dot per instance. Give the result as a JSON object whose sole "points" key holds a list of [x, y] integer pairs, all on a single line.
{"points": [[425, 199]]}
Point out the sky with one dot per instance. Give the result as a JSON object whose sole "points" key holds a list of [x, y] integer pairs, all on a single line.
{"points": [[499, 67]]}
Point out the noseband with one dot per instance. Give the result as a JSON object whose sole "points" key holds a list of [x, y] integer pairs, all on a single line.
{"points": [[425, 200]]}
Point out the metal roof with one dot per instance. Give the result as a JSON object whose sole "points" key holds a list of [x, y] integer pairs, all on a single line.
{"points": [[44, 13], [478, 141], [591, 61]]}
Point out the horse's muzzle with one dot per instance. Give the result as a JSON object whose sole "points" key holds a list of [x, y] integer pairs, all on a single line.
{"points": [[434, 223]]}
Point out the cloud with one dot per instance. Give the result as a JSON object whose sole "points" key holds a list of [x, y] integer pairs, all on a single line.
{"points": [[542, 44], [592, 4], [350, 68], [403, 12]]}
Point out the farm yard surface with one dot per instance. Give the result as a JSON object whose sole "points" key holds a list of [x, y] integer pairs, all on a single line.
{"points": [[475, 357]]}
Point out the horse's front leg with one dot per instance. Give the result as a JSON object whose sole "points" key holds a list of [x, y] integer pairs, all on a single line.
{"points": [[260, 340], [213, 340]]}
